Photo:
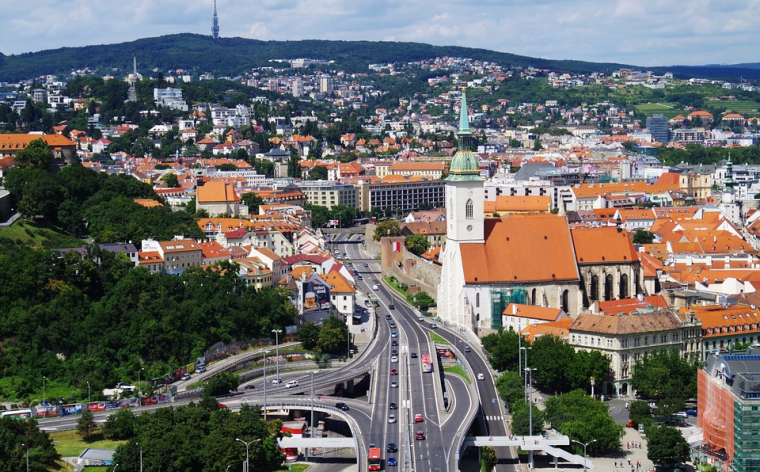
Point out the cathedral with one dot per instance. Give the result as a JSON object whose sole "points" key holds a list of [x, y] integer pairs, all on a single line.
{"points": [[488, 263]]}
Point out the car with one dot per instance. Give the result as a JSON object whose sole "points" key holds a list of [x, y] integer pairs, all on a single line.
{"points": [[355, 272], [291, 384], [186, 377], [681, 414], [419, 435], [391, 418], [222, 406], [123, 385], [336, 249], [394, 334], [394, 384], [392, 406], [393, 325], [388, 317], [276, 381], [394, 343], [632, 424], [481, 376], [345, 254], [366, 265], [200, 369], [420, 318], [394, 352], [413, 355], [466, 348], [433, 326], [394, 359], [391, 306], [360, 277], [394, 372], [375, 287], [249, 387], [372, 445], [692, 412], [391, 461], [418, 418], [392, 447], [342, 406]]}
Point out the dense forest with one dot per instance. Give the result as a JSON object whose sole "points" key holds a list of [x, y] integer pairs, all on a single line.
{"points": [[233, 56]]}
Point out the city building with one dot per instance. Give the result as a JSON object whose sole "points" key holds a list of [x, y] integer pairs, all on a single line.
{"points": [[728, 396], [329, 194], [659, 128], [401, 195], [220, 198]]}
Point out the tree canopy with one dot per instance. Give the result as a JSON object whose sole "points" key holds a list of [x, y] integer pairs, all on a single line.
{"points": [[16, 437], [584, 419], [386, 229], [665, 374], [36, 155], [417, 244], [667, 447]]}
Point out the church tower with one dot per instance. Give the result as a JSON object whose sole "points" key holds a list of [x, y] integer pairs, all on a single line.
{"points": [[465, 197], [215, 24]]}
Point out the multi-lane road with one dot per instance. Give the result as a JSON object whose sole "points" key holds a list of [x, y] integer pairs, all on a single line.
{"points": [[399, 390]]}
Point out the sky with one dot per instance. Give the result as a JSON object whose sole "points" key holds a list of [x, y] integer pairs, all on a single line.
{"points": [[638, 32]]}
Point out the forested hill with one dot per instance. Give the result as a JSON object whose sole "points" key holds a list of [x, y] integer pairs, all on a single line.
{"points": [[233, 56]]}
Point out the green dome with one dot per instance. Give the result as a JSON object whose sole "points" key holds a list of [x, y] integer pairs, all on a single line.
{"points": [[464, 164]]}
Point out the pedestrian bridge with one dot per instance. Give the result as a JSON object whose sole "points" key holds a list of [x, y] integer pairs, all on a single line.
{"points": [[317, 442], [532, 443]]}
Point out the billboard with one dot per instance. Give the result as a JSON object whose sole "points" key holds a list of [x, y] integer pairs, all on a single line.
{"points": [[315, 296]]}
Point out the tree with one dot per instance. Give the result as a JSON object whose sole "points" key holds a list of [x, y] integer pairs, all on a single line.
{"points": [[639, 411], [643, 236], [511, 387], [504, 348], [332, 336], [417, 244], [253, 201], [318, 173], [36, 155], [18, 437], [386, 229], [537, 145], [488, 459], [521, 418], [421, 300], [309, 335], [667, 447], [222, 383], [582, 418], [665, 374], [120, 425], [86, 424], [171, 180], [294, 166]]}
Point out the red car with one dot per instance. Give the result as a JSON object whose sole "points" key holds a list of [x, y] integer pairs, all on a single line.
{"points": [[418, 418], [394, 372], [419, 435]]}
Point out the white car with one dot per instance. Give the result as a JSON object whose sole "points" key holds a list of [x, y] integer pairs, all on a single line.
{"points": [[375, 287], [276, 381], [391, 418], [291, 384], [394, 384], [481, 376], [394, 359]]}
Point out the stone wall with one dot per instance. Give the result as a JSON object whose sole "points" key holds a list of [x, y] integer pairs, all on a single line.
{"points": [[408, 268]]}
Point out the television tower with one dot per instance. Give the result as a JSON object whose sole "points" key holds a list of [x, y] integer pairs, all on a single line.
{"points": [[215, 24]]}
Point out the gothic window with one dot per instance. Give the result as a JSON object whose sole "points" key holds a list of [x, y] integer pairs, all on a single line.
{"points": [[594, 290], [533, 296], [468, 209], [477, 300], [565, 300], [608, 288], [624, 286]]}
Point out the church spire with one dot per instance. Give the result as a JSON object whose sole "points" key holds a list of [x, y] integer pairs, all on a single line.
{"points": [[215, 24], [464, 164], [729, 181]]}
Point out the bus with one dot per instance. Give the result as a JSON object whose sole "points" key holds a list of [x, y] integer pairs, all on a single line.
{"points": [[427, 365], [374, 300], [374, 459], [361, 221], [17, 414]]}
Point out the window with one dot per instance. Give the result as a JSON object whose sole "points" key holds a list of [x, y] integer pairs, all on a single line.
{"points": [[636, 342], [624, 342], [675, 338], [468, 210], [646, 340], [663, 338], [477, 300]]}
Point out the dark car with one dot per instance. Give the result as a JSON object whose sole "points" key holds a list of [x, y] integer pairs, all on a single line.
{"points": [[391, 461], [392, 447], [692, 412], [419, 435], [393, 325], [392, 406], [342, 406], [414, 355], [394, 343], [391, 306], [394, 352], [249, 387], [366, 265], [388, 317]]}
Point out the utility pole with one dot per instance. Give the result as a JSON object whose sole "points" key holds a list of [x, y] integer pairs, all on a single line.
{"points": [[526, 387], [247, 463], [529, 375], [265, 385], [277, 349]]}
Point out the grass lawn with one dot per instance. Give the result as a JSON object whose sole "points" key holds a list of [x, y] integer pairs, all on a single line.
{"points": [[437, 339], [670, 110], [29, 234], [743, 107], [395, 284], [295, 467], [70, 444], [458, 371]]}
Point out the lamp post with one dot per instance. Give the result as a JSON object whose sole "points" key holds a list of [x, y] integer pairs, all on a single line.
{"points": [[529, 376], [88, 392], [43, 391], [277, 348], [348, 342], [265, 385], [141, 463], [592, 387], [585, 445], [27, 455], [526, 349], [114, 468], [247, 464], [311, 433]]}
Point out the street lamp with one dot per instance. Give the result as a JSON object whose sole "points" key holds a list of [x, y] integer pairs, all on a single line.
{"points": [[529, 376], [141, 463], [311, 434], [348, 342], [43, 391], [247, 464], [277, 348], [585, 445], [526, 349], [114, 468], [265, 385], [88, 392], [27, 455]]}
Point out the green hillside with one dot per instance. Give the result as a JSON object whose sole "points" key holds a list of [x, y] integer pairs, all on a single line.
{"points": [[233, 56]]}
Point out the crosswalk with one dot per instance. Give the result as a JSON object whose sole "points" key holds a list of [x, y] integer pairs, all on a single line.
{"points": [[493, 418]]}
